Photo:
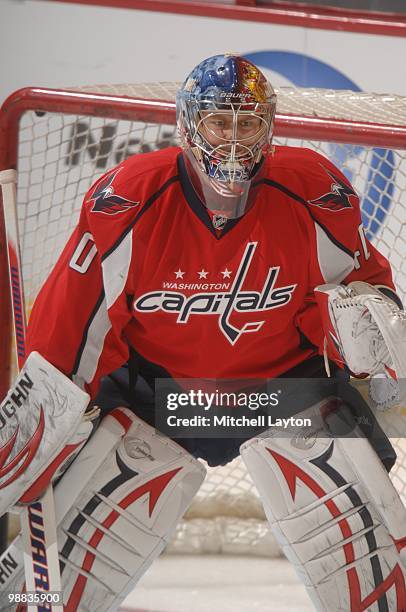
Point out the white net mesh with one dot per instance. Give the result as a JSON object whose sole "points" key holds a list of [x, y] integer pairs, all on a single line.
{"points": [[61, 155], [383, 109]]}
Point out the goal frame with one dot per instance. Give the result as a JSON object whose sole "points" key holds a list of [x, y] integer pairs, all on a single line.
{"points": [[155, 111], [153, 104]]}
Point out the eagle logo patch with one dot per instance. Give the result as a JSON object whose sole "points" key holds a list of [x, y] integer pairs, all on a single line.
{"points": [[336, 199], [106, 201]]}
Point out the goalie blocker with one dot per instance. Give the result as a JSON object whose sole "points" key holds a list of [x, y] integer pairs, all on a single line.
{"points": [[116, 506], [334, 512], [41, 428]]}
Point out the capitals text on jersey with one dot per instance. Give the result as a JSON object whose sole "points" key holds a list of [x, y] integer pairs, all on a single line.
{"points": [[223, 304]]}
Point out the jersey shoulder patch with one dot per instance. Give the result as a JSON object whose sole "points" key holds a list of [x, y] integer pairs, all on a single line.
{"points": [[339, 194], [313, 178], [104, 199], [129, 185]]}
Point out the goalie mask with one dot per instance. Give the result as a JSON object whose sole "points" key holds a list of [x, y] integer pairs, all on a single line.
{"points": [[225, 113]]}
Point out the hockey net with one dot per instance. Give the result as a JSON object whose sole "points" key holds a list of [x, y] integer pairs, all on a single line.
{"points": [[62, 141]]}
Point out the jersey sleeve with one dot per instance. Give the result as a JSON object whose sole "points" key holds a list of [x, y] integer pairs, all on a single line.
{"points": [[79, 317], [339, 249]]}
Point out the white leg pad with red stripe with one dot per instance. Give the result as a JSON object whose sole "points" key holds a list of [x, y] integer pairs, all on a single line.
{"points": [[337, 517], [116, 506]]}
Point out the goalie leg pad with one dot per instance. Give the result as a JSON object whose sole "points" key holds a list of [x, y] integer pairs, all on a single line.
{"points": [[340, 526], [117, 506], [38, 417]]}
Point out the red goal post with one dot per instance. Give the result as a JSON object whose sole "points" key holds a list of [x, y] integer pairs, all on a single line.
{"points": [[60, 141]]}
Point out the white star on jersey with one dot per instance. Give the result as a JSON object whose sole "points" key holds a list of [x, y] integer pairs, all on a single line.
{"points": [[202, 274], [226, 273], [179, 273]]}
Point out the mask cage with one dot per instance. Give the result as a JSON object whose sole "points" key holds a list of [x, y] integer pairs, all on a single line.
{"points": [[230, 158]]}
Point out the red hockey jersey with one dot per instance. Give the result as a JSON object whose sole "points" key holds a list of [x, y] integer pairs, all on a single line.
{"points": [[145, 267]]}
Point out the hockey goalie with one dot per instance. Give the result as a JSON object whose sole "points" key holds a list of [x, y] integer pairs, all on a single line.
{"points": [[225, 258]]}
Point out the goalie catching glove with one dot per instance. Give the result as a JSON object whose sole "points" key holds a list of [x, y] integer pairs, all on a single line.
{"points": [[366, 331]]}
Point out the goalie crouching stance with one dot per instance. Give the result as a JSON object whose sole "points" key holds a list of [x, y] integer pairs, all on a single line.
{"points": [[202, 262]]}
